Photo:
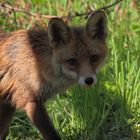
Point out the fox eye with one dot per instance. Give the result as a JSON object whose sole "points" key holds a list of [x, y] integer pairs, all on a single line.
{"points": [[94, 58], [72, 61]]}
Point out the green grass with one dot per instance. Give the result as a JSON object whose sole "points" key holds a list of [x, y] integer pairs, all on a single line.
{"points": [[111, 109]]}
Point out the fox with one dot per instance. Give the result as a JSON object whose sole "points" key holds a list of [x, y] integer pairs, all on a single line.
{"points": [[37, 64]]}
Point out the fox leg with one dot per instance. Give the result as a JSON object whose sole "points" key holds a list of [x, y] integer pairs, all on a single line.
{"points": [[6, 114], [39, 116]]}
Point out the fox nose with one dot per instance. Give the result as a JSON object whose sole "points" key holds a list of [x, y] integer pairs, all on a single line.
{"points": [[89, 80]]}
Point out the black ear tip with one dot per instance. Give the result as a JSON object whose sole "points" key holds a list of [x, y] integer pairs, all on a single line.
{"points": [[55, 20], [100, 14]]}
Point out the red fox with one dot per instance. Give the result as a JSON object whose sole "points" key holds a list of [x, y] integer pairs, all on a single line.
{"points": [[37, 64]]}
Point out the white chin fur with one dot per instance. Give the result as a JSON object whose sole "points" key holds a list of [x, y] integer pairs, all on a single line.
{"points": [[81, 80]]}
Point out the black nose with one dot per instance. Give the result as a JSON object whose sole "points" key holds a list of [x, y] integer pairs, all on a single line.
{"points": [[89, 80]]}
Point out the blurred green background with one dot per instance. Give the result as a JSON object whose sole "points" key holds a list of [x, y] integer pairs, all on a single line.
{"points": [[111, 109]]}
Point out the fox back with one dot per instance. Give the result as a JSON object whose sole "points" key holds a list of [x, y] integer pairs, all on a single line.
{"points": [[37, 64]]}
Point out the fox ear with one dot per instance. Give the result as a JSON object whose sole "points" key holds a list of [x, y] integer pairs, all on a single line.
{"points": [[96, 26], [58, 31]]}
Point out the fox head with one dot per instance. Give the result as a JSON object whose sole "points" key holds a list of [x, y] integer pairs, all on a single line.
{"points": [[78, 52]]}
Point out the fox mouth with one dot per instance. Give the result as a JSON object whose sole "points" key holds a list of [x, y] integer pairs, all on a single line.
{"points": [[88, 86]]}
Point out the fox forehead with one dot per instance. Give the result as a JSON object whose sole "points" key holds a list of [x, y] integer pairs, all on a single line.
{"points": [[80, 45]]}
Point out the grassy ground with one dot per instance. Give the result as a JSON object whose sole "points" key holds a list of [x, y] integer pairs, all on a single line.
{"points": [[111, 109]]}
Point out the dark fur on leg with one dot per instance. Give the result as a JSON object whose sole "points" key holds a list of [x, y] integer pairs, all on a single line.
{"points": [[6, 114]]}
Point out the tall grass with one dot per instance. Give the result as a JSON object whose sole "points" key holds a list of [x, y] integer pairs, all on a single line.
{"points": [[111, 109]]}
